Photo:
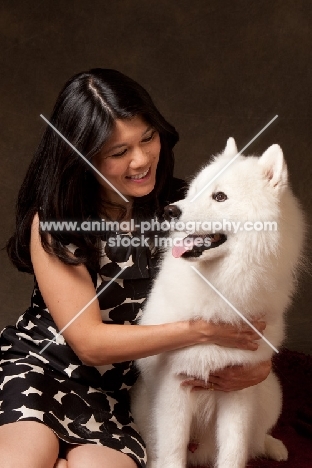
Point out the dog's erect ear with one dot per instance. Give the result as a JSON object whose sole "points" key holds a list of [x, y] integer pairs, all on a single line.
{"points": [[231, 148], [274, 166]]}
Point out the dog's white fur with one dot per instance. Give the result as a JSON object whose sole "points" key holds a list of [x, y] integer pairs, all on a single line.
{"points": [[253, 270]]}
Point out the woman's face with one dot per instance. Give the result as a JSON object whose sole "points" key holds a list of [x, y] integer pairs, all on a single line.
{"points": [[129, 159]]}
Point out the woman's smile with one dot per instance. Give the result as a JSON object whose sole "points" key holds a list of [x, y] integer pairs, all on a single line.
{"points": [[140, 178]]}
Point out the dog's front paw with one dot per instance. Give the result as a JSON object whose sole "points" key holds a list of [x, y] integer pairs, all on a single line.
{"points": [[275, 449]]}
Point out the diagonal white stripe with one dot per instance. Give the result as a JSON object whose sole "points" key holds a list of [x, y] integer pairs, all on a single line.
{"points": [[82, 310], [235, 310], [232, 160], [84, 158]]}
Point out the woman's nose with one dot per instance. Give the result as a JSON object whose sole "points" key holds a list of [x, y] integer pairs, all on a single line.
{"points": [[139, 157]]}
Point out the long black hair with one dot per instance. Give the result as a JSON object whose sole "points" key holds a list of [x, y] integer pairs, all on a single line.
{"points": [[59, 185]]}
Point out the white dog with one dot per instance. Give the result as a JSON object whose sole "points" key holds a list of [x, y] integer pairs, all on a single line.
{"points": [[254, 270]]}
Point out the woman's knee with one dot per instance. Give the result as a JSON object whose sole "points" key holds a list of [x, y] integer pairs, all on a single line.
{"points": [[27, 444], [61, 463], [98, 456]]}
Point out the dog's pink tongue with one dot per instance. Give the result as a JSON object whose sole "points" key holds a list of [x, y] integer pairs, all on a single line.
{"points": [[179, 250]]}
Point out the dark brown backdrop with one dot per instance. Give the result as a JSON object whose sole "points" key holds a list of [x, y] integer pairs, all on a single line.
{"points": [[215, 69]]}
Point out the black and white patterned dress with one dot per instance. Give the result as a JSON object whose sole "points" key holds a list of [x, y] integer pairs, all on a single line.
{"points": [[80, 403]]}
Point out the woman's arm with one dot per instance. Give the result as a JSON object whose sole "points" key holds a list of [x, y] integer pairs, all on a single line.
{"points": [[232, 378], [66, 289]]}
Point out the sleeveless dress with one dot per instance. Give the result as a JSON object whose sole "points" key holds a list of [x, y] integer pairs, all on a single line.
{"points": [[81, 404]]}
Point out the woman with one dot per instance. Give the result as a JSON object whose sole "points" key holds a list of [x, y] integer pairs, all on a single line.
{"points": [[70, 397]]}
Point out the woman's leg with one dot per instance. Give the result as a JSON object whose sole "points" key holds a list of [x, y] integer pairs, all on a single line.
{"points": [[97, 456], [28, 444], [60, 463]]}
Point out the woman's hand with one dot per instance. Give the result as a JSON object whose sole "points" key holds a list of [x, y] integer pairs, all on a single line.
{"points": [[230, 336], [232, 378]]}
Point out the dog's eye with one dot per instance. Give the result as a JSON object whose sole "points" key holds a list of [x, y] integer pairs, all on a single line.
{"points": [[219, 196]]}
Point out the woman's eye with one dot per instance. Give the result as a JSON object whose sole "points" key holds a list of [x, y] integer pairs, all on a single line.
{"points": [[219, 196], [149, 138], [121, 153]]}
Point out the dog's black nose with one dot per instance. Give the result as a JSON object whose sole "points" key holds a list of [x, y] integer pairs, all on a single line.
{"points": [[172, 211]]}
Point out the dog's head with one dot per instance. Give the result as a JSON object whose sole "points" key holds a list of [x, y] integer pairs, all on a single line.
{"points": [[231, 193]]}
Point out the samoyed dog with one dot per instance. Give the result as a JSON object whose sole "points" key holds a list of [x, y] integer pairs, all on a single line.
{"points": [[208, 275]]}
